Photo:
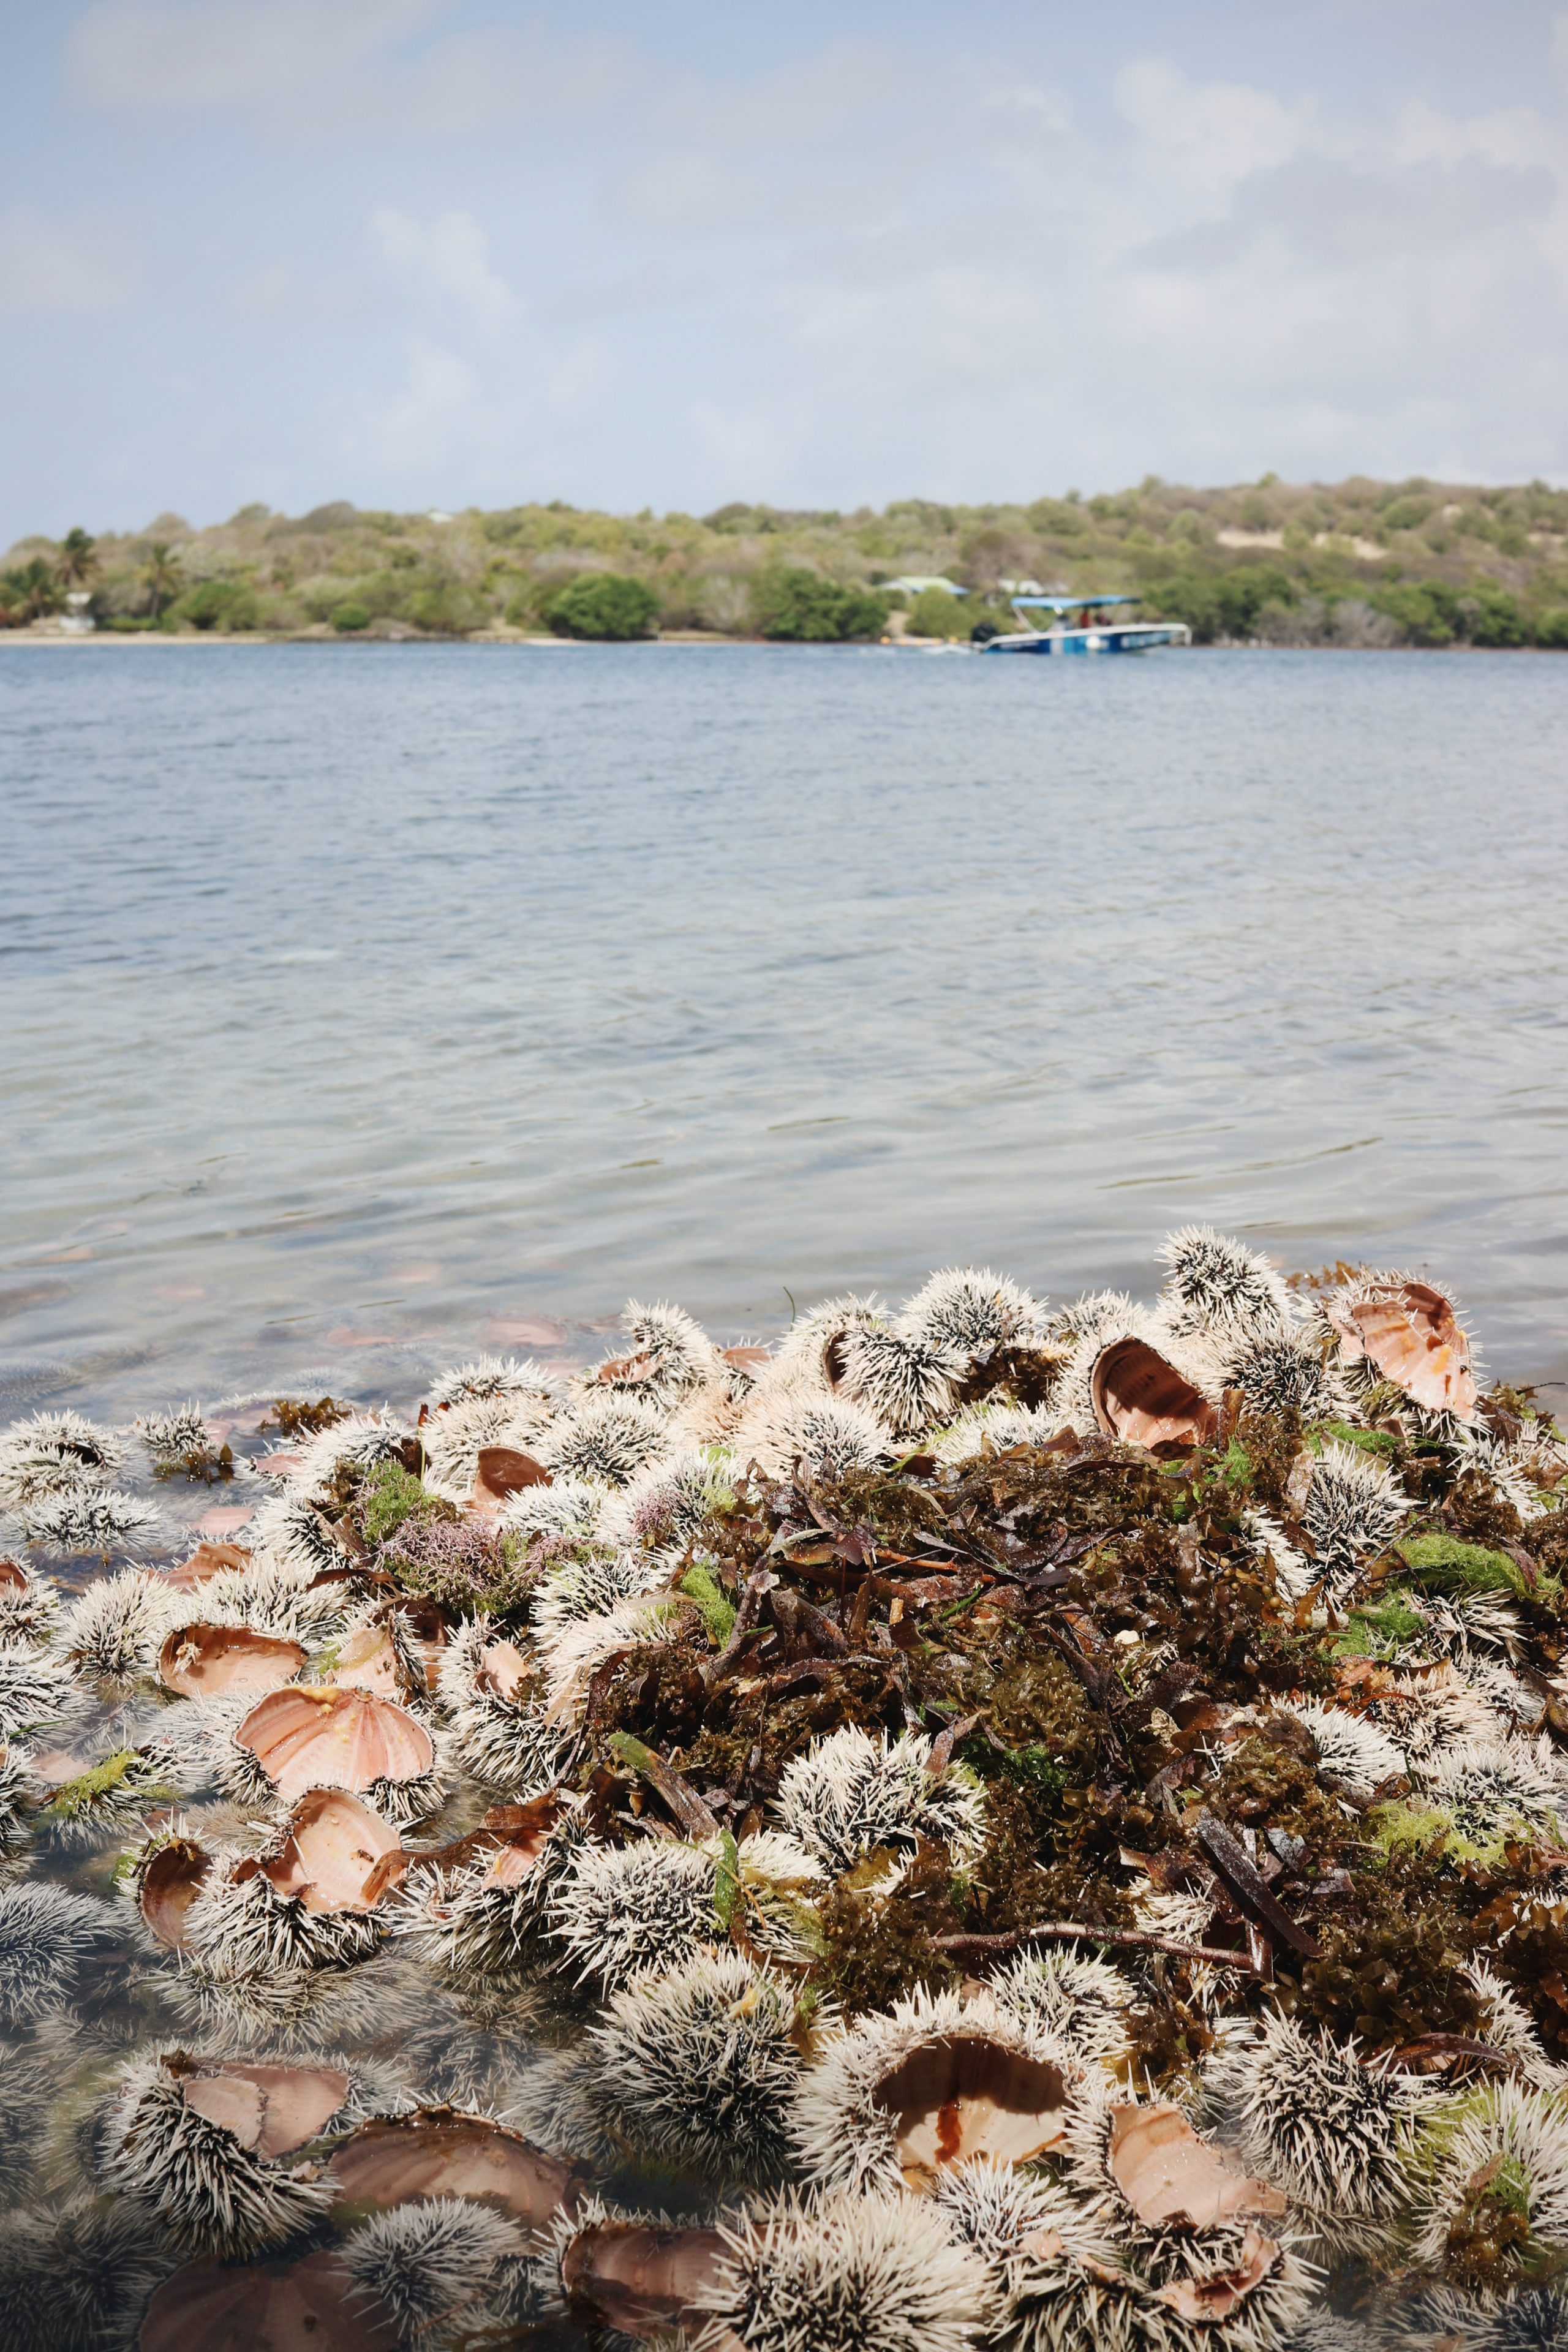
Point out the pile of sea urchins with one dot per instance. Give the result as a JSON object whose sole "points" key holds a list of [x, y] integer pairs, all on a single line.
{"points": [[981, 1826]]}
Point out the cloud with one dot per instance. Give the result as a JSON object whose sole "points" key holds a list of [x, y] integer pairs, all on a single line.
{"points": [[440, 408], [326, 68], [85, 266], [449, 257], [279, 291], [1208, 135]]}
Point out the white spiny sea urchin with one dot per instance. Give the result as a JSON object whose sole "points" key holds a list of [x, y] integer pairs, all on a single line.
{"points": [[1491, 1788], [1349, 1748], [697, 2068], [786, 1424], [1081, 2002], [1217, 1288], [492, 1376], [47, 1936], [590, 1587], [75, 2276], [290, 1536], [996, 1425], [846, 2275], [114, 1630], [83, 1517], [1334, 2134], [54, 1450], [508, 1742], [855, 1789], [37, 1691], [1517, 2131], [454, 1437], [1282, 1373], [180, 1429], [903, 1379], [430, 2263], [968, 1310], [1053, 2274], [357, 1442], [605, 1440], [619, 1910], [1354, 1509], [209, 2186], [29, 1604]]}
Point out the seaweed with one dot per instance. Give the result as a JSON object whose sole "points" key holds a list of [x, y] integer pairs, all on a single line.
{"points": [[295, 1417]]}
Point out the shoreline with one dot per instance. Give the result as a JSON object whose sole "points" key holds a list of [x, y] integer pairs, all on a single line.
{"points": [[687, 638]]}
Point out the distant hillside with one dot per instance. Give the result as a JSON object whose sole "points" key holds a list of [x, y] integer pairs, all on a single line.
{"points": [[1357, 564]]}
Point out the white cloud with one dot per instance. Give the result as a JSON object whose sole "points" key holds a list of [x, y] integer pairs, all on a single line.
{"points": [[64, 266], [1210, 135], [134, 54], [325, 68], [450, 258], [440, 409], [279, 291]]}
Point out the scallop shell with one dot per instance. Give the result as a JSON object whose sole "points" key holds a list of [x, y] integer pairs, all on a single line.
{"points": [[442, 2152], [207, 1661], [1139, 1396], [334, 1855], [320, 1737], [272, 2109], [170, 1884], [211, 2306], [638, 2278], [964, 2097], [1410, 1332]]}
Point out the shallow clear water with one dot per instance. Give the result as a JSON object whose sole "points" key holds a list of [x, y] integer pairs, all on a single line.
{"points": [[363, 1005]]}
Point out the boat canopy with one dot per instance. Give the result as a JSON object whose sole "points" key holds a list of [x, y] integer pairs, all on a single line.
{"points": [[1068, 604]]}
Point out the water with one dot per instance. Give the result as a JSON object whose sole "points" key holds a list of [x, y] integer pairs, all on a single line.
{"points": [[367, 1004]]}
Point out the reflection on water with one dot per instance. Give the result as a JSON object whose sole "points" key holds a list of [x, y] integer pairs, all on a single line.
{"points": [[367, 1003]]}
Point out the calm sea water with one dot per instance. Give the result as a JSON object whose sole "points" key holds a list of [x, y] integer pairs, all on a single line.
{"points": [[367, 1004]]}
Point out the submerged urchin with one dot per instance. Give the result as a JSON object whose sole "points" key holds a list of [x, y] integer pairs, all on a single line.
{"points": [[1335, 2134], [29, 1604], [1079, 2002], [110, 1796], [846, 2275], [37, 1690], [1219, 1288], [47, 1936], [619, 1910], [605, 1440], [855, 1789], [75, 2276], [80, 1518], [697, 2068], [213, 2186], [52, 1450], [181, 1430], [429, 2263], [1354, 1507]]}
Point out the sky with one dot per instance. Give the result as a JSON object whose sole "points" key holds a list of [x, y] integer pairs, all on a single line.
{"points": [[422, 253]]}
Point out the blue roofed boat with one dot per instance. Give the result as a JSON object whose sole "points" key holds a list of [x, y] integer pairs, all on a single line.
{"points": [[1085, 624]]}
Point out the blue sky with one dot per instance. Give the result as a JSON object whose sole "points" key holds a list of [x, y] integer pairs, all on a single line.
{"points": [[418, 252]]}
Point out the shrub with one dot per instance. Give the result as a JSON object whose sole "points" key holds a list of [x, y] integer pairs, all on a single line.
{"points": [[935, 614], [602, 604], [1552, 628], [445, 609], [217, 604], [801, 607], [345, 618], [1497, 619], [1428, 611]]}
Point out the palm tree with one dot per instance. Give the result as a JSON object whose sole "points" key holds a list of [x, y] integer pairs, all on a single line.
{"points": [[30, 590], [160, 573], [78, 560]]}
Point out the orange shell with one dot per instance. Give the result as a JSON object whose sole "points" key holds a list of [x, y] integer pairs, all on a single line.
{"points": [[1139, 1396], [330, 1853], [964, 2097], [265, 2307], [441, 2152], [272, 2109], [318, 1737], [200, 1661], [1410, 1332], [170, 1884]]}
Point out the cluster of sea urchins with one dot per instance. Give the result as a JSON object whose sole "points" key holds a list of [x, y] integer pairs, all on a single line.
{"points": [[980, 1826]]}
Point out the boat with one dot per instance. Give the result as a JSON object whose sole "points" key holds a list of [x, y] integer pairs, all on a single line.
{"points": [[1097, 630]]}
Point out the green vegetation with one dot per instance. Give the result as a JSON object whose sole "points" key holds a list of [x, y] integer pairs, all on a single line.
{"points": [[1352, 563], [602, 604]]}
